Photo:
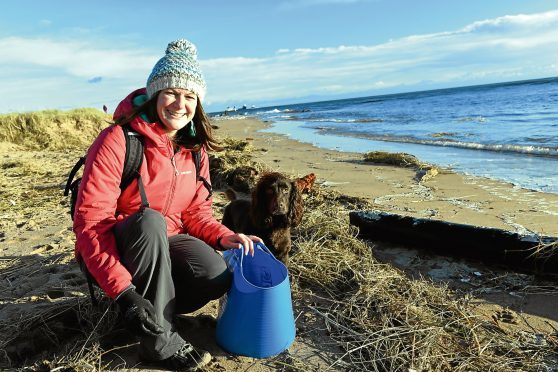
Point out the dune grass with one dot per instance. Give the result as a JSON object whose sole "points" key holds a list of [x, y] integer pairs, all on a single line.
{"points": [[53, 129]]}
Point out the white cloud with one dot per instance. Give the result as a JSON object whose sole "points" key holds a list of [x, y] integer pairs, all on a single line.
{"points": [[511, 47], [74, 57], [515, 22], [504, 48], [39, 73]]}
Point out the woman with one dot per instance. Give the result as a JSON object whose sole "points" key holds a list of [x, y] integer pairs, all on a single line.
{"points": [[151, 247]]}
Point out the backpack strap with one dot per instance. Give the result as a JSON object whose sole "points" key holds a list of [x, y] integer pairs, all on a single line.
{"points": [[72, 174], [197, 160], [133, 158]]}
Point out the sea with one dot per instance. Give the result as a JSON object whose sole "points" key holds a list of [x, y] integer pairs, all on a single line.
{"points": [[505, 131]]}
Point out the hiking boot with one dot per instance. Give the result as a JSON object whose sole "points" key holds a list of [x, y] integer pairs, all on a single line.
{"points": [[187, 358]]}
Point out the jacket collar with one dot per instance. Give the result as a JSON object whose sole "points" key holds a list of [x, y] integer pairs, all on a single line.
{"points": [[153, 131]]}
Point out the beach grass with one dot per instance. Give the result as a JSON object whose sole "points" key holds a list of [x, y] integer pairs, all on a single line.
{"points": [[53, 129]]}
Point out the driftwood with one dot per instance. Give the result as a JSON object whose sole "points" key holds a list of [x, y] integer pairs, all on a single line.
{"points": [[526, 252]]}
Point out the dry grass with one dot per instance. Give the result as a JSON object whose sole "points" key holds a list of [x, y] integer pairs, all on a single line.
{"points": [[386, 321], [53, 129], [545, 250], [57, 327]]}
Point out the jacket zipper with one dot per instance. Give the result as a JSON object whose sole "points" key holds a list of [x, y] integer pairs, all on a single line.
{"points": [[173, 186], [174, 165]]}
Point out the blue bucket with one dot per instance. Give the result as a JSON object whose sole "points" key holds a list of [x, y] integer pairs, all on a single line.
{"points": [[257, 319]]}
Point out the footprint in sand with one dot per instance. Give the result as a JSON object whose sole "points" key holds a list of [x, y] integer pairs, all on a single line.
{"points": [[505, 316]]}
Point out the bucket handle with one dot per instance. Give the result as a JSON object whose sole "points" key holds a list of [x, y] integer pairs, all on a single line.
{"points": [[259, 245], [262, 247], [235, 255]]}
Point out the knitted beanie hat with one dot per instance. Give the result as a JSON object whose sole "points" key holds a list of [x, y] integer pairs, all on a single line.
{"points": [[179, 68]]}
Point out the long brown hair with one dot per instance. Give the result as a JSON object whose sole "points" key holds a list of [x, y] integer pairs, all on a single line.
{"points": [[204, 132]]}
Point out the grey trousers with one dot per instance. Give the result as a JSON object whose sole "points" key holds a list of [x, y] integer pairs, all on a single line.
{"points": [[177, 275]]}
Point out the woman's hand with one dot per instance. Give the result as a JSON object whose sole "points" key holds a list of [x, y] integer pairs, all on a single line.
{"points": [[236, 240]]}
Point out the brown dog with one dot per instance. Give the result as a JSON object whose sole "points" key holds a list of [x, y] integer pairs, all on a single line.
{"points": [[276, 206]]}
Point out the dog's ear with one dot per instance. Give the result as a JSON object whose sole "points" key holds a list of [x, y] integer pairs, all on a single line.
{"points": [[260, 212], [305, 184], [296, 206]]}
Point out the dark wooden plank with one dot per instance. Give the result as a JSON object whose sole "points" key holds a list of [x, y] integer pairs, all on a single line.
{"points": [[448, 238]]}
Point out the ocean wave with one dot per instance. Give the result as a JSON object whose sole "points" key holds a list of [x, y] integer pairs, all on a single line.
{"points": [[335, 120], [518, 149], [478, 119], [274, 111], [295, 111], [371, 120], [289, 111], [505, 148]]}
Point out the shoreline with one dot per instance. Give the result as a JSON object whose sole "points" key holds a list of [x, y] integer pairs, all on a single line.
{"points": [[503, 166], [449, 196]]}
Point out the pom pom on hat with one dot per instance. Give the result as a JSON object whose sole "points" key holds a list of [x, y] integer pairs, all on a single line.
{"points": [[179, 68]]}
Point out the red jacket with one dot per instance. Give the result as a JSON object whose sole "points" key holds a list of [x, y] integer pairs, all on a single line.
{"points": [[171, 188]]}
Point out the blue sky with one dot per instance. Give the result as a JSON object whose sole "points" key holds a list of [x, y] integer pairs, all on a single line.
{"points": [[59, 55]]}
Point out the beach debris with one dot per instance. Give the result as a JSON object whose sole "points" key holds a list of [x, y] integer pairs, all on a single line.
{"points": [[242, 179], [332, 183], [236, 145], [401, 159], [486, 243], [536, 339], [426, 173], [444, 134]]}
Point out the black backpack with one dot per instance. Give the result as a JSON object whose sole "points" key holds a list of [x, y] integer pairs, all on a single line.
{"points": [[132, 163]]}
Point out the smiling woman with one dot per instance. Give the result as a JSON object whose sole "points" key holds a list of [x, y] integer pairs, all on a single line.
{"points": [[176, 108], [152, 245]]}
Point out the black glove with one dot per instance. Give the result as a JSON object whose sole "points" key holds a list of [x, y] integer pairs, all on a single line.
{"points": [[139, 314]]}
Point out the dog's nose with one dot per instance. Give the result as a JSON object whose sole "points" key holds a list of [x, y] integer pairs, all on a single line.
{"points": [[282, 208]]}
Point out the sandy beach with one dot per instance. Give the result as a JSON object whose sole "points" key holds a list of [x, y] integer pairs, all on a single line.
{"points": [[448, 196]]}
